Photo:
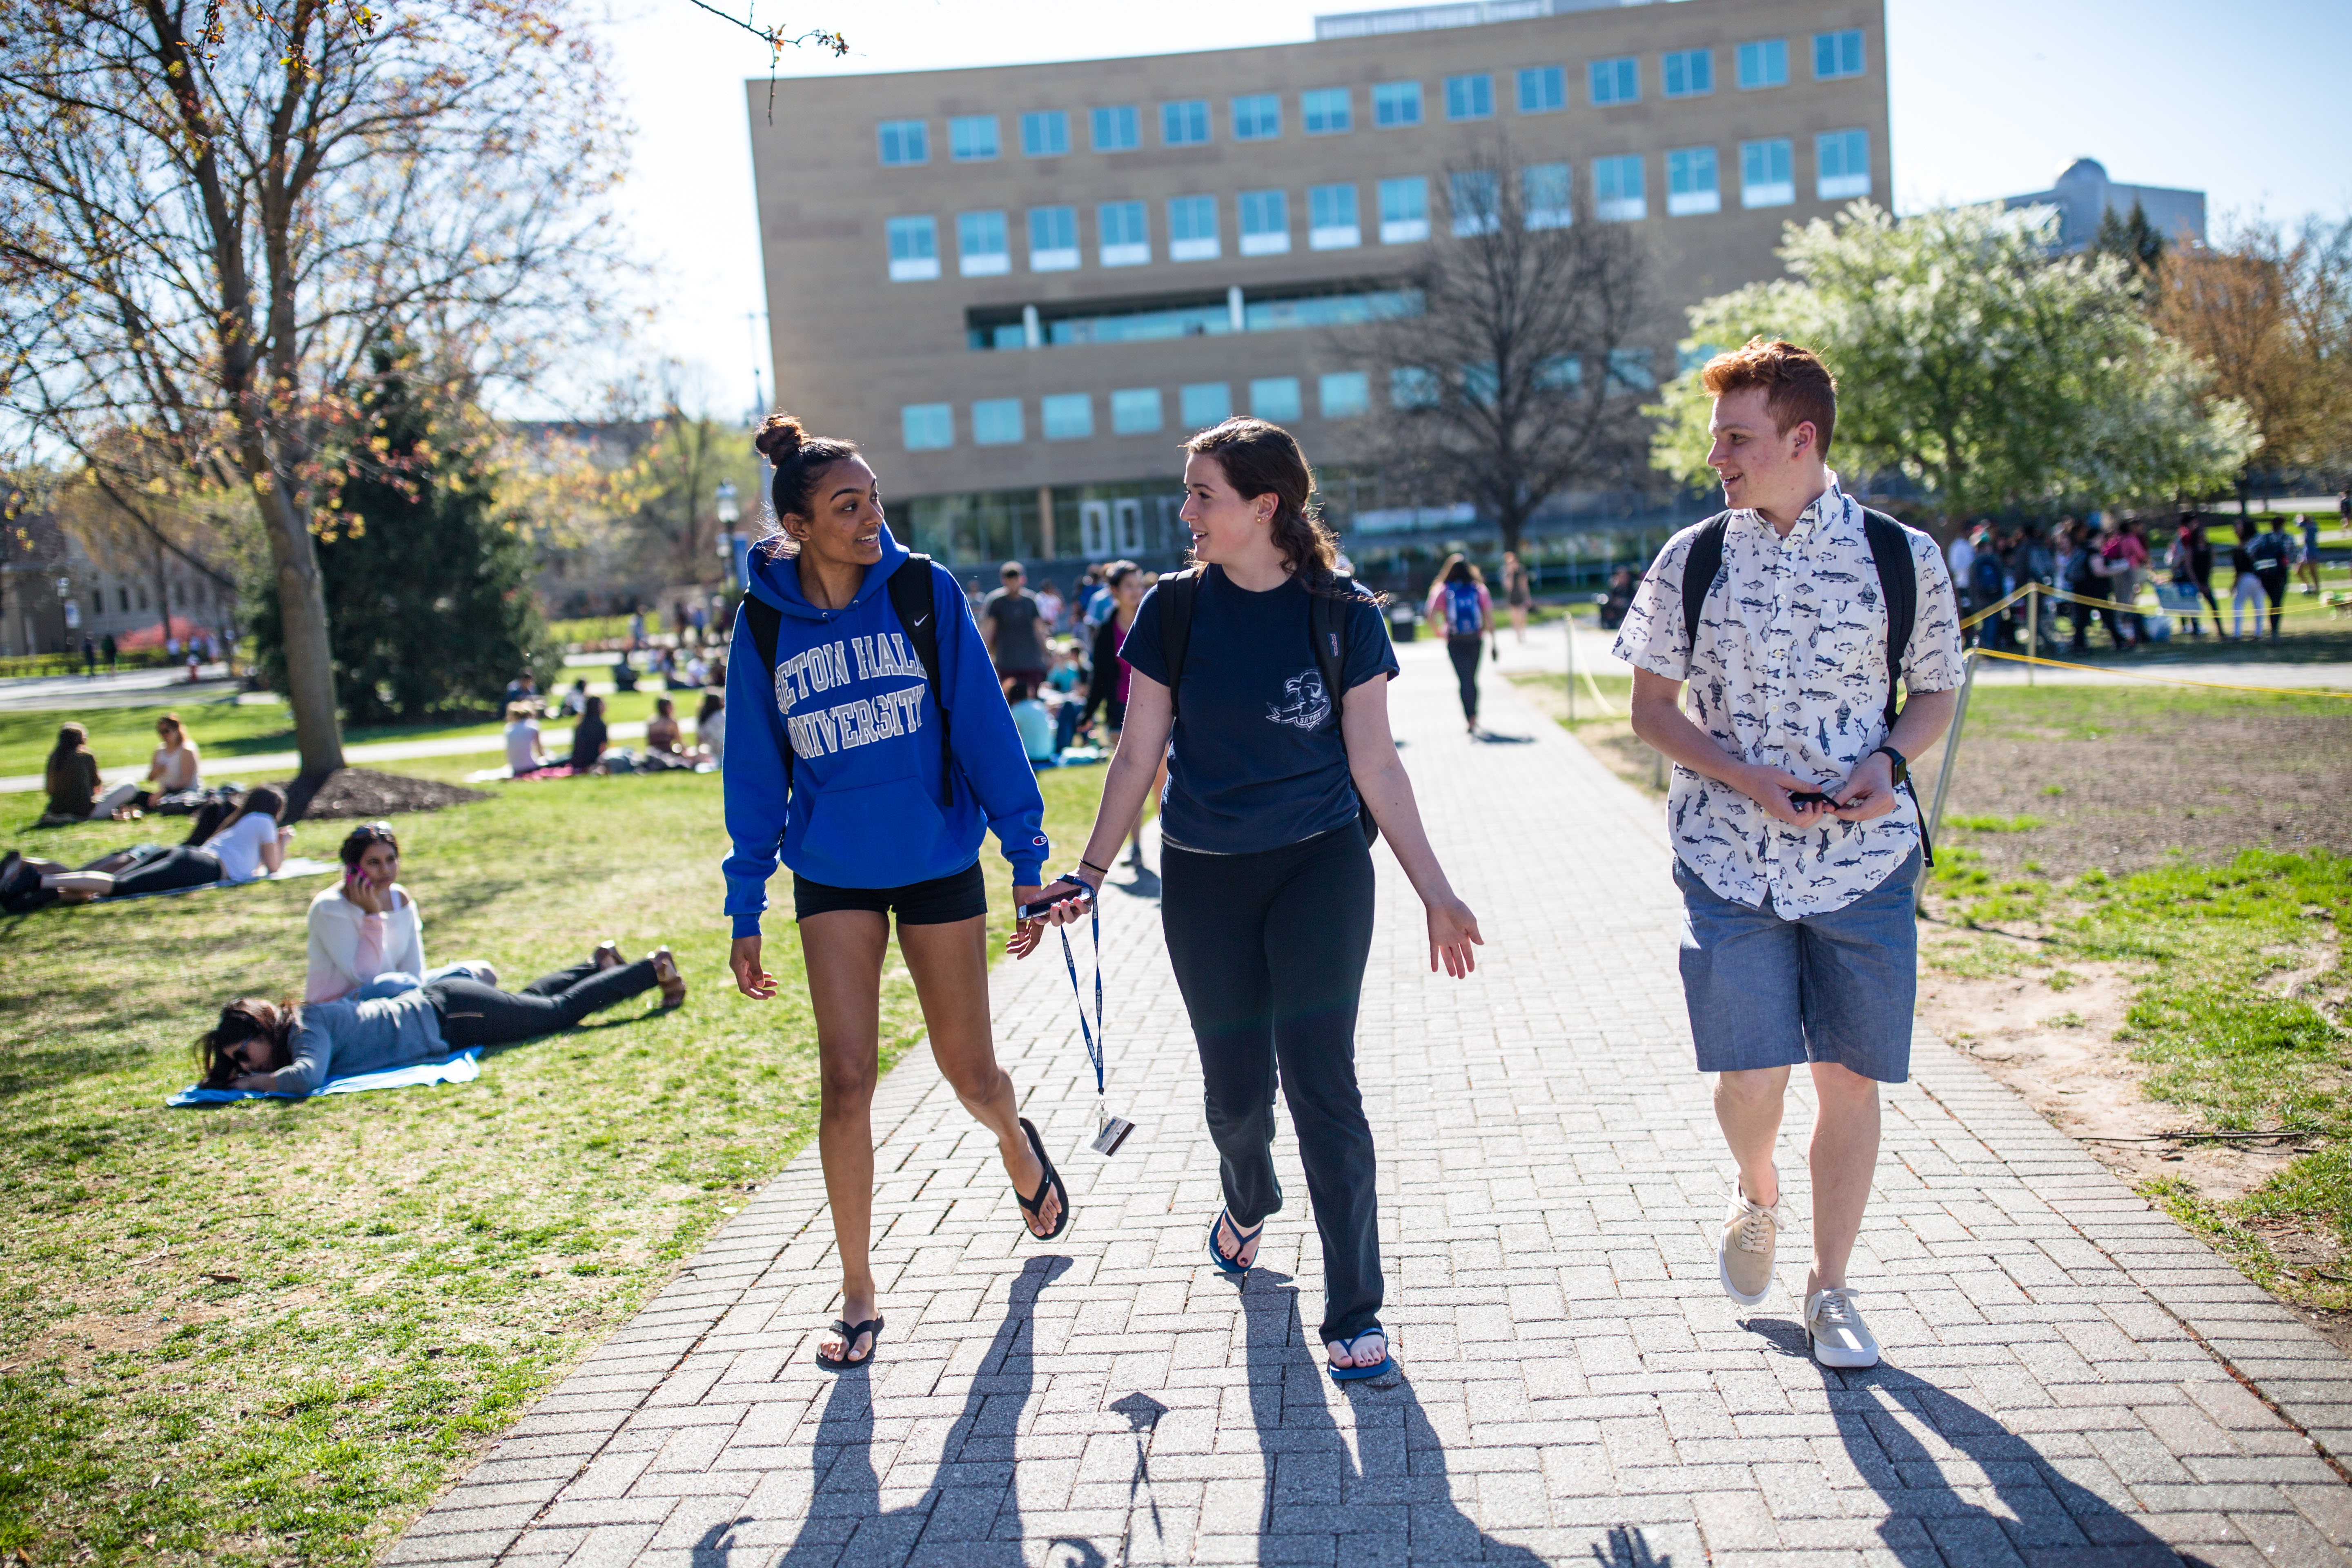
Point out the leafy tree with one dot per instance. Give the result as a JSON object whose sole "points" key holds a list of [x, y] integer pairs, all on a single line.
{"points": [[206, 211], [2133, 241], [427, 582], [1514, 368], [1975, 362]]}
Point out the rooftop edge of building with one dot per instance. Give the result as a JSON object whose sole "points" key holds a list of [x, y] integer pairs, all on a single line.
{"points": [[1464, 14]]}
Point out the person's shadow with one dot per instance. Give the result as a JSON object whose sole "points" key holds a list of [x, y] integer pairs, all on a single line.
{"points": [[845, 1520], [1927, 1523], [1315, 1487]]}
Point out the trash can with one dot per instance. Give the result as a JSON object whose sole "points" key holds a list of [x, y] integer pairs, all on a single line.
{"points": [[1403, 624]]}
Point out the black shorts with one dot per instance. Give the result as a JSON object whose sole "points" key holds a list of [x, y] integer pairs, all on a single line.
{"points": [[943, 900]]}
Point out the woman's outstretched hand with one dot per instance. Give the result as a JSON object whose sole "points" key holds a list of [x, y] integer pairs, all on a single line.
{"points": [[751, 980], [1453, 931], [1067, 907]]}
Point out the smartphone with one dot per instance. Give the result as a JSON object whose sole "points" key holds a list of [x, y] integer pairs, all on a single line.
{"points": [[1046, 906], [1803, 799]]}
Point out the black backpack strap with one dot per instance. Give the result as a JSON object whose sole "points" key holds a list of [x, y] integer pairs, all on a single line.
{"points": [[1178, 592], [1699, 567], [1328, 626], [917, 610], [1898, 581], [763, 621]]}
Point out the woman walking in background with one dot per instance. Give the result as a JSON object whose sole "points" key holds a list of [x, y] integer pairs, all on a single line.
{"points": [[2246, 592], [844, 762], [1515, 593], [1109, 684], [1458, 601], [1267, 879], [2191, 560]]}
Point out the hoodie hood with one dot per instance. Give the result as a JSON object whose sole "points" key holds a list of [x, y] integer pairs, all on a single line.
{"points": [[776, 579]]}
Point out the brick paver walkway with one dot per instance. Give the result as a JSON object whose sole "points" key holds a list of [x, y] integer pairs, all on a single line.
{"points": [[2069, 1377]]}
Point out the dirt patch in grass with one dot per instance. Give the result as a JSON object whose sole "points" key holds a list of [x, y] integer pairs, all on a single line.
{"points": [[365, 793], [2069, 779]]}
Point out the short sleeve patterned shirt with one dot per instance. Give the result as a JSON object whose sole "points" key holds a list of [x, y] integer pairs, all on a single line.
{"points": [[1791, 672]]}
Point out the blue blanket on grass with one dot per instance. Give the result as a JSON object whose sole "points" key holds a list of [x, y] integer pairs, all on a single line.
{"points": [[463, 1067]]}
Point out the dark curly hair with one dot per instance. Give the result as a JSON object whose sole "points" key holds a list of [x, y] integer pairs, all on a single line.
{"points": [[240, 1021], [1259, 458], [799, 457]]}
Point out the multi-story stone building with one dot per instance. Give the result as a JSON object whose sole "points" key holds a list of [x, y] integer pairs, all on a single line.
{"points": [[1018, 287]]}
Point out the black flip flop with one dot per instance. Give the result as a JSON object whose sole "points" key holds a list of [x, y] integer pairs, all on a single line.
{"points": [[1052, 1183], [850, 1334]]}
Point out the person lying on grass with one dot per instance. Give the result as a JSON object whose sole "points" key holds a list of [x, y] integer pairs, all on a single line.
{"points": [[367, 937], [280, 1048], [249, 844]]}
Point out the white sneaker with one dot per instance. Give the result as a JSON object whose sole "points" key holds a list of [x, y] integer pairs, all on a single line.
{"points": [[1743, 1252], [1836, 1331]]}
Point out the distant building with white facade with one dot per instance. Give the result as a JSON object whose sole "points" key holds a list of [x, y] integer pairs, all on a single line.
{"points": [[2083, 194]]}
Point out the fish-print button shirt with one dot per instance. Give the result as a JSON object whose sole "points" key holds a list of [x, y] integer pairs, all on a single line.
{"points": [[1791, 672]]}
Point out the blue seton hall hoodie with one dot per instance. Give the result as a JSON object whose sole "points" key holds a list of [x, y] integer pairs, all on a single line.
{"points": [[847, 695]]}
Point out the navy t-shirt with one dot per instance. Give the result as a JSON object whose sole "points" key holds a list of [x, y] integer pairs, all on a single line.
{"points": [[1257, 762]]}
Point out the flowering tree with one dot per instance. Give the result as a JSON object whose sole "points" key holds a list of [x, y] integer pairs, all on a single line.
{"points": [[207, 214], [1974, 362]]}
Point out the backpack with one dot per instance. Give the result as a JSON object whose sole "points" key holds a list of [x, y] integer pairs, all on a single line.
{"points": [[1985, 576], [1899, 582], [1327, 631], [1461, 616], [911, 599]]}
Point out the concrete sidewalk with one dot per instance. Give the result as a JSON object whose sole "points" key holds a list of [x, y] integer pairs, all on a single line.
{"points": [[2070, 1378]]}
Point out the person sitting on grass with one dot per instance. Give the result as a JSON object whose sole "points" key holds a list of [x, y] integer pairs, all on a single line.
{"points": [[524, 757], [1031, 719], [72, 778], [710, 727], [661, 730], [283, 1047], [367, 938], [588, 737], [249, 844]]}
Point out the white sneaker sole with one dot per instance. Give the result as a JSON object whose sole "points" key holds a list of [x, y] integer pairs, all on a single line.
{"points": [[1723, 1273], [1846, 1361]]}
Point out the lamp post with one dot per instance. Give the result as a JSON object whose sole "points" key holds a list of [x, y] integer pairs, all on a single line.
{"points": [[729, 549]]}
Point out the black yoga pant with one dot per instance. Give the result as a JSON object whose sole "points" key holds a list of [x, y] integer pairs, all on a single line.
{"points": [[1269, 953], [1464, 652], [181, 866], [2274, 585], [473, 1014]]}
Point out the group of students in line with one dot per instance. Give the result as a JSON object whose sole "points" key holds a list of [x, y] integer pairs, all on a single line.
{"points": [[1255, 685], [369, 1003]]}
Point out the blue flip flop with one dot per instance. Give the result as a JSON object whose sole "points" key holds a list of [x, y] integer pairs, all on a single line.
{"points": [[1353, 1373], [1226, 1265]]}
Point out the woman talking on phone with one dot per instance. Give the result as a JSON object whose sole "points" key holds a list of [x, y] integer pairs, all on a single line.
{"points": [[872, 746], [1280, 747], [366, 927]]}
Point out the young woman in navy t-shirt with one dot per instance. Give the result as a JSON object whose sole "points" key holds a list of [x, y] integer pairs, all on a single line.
{"points": [[1266, 876]]}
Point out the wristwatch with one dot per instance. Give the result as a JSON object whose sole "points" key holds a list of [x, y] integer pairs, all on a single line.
{"points": [[1902, 765]]}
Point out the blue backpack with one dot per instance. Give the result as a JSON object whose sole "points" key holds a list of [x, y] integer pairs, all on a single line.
{"points": [[1461, 616]]}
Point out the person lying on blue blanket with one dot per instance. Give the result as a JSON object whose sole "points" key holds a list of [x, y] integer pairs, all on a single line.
{"points": [[283, 1048]]}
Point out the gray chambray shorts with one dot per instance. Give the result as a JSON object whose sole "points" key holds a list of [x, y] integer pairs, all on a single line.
{"points": [[1766, 992]]}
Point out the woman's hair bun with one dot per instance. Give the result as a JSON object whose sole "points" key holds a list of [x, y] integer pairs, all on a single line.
{"points": [[781, 436]]}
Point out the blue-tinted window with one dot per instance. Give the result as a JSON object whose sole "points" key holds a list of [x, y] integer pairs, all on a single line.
{"points": [[971, 138], [1204, 404], [1630, 368], [1125, 234], [1053, 239], [1404, 210], [1066, 415], [1257, 117], [1542, 88], [1411, 387], [1470, 97], [1193, 228], [1474, 198], [1325, 111], [1116, 130], [1265, 223], [1274, 397], [903, 142], [1841, 160], [1344, 394], [981, 246], [1135, 411], [1543, 196], [1688, 73], [1332, 218], [927, 427], [1396, 103], [1691, 182], [1616, 81], [1837, 54], [1617, 195], [1184, 124], [1044, 133], [914, 249], [1766, 173], [996, 422], [1764, 63]]}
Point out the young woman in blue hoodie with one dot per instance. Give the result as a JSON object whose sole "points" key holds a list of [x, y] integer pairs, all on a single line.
{"points": [[840, 758]]}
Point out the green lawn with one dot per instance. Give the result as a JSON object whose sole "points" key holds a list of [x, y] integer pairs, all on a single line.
{"points": [[225, 729], [269, 1333]]}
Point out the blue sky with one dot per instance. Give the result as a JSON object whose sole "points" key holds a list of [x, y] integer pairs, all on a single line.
{"points": [[1989, 98]]}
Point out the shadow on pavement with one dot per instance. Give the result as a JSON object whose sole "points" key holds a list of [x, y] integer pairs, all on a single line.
{"points": [[1907, 1437], [972, 1492]]}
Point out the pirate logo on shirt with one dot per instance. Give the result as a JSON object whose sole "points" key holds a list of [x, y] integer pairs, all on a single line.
{"points": [[1305, 704]]}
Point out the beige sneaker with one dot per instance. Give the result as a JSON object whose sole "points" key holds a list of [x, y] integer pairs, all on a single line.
{"points": [[1835, 1331], [1743, 1254]]}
